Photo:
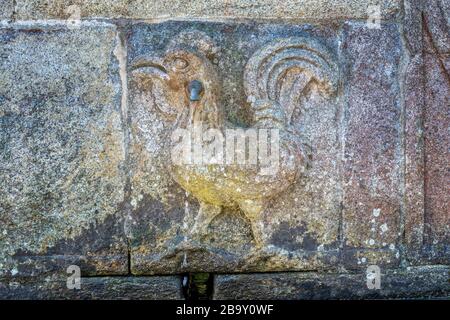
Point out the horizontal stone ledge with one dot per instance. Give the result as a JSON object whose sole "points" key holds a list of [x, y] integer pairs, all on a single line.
{"points": [[94, 288], [417, 282], [142, 9]]}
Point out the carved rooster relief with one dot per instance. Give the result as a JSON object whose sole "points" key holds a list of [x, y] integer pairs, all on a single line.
{"points": [[186, 90]]}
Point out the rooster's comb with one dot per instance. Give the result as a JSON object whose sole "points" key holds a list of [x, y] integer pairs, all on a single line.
{"points": [[195, 40]]}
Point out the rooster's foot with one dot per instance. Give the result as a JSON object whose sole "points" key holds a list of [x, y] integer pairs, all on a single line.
{"points": [[205, 215], [252, 210]]}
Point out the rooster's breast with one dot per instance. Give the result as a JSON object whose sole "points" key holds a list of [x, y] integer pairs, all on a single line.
{"points": [[226, 185]]}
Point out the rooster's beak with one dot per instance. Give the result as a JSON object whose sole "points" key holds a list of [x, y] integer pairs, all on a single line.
{"points": [[149, 67]]}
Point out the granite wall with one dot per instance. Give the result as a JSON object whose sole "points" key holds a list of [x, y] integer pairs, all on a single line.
{"points": [[84, 176]]}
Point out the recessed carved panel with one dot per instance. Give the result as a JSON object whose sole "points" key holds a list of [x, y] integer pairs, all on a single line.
{"points": [[277, 82]]}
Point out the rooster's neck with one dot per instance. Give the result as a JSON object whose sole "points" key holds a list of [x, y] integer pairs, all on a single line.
{"points": [[207, 113]]}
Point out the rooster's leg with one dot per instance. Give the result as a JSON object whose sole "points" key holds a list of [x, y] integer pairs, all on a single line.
{"points": [[205, 215], [252, 210]]}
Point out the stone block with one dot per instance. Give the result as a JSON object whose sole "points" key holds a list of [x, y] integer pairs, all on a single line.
{"points": [[372, 144], [96, 288], [141, 9], [419, 282], [437, 155], [62, 150]]}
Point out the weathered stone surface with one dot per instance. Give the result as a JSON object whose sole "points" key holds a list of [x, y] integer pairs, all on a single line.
{"points": [[372, 144], [99, 250], [437, 156], [61, 150], [419, 282], [413, 104], [97, 288], [6, 9], [436, 121], [141, 9], [426, 140], [300, 226]]}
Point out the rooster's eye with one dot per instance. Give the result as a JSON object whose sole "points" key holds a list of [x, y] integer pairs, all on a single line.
{"points": [[180, 64]]}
